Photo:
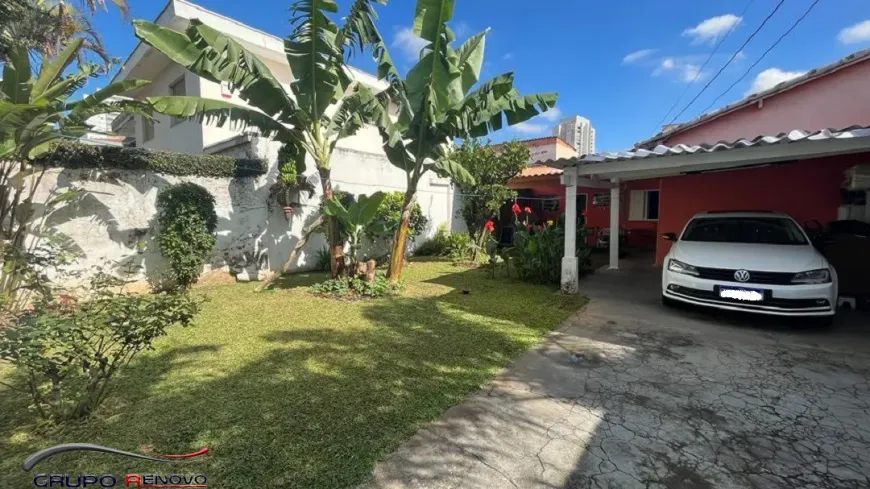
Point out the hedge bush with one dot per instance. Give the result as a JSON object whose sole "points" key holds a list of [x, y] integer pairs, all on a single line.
{"points": [[186, 236], [86, 156]]}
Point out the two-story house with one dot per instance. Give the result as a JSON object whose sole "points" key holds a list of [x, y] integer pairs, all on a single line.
{"points": [[359, 164]]}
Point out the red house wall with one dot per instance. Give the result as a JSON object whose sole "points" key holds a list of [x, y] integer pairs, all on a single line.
{"points": [[806, 190]]}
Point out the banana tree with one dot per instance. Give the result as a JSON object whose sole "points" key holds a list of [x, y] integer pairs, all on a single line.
{"points": [[356, 218], [326, 103], [437, 102], [35, 112]]}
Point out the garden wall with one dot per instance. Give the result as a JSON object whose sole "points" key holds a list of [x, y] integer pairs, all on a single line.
{"points": [[112, 225]]}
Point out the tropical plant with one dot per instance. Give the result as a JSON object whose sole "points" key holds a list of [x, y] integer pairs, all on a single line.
{"points": [[356, 287], [491, 169], [317, 50], [389, 215], [436, 104], [187, 222], [69, 351], [35, 113], [46, 26], [355, 219], [538, 251], [291, 179]]}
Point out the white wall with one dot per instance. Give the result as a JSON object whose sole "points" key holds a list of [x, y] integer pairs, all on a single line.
{"points": [[185, 136]]}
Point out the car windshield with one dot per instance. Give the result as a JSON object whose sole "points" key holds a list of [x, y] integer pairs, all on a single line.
{"points": [[756, 230]]}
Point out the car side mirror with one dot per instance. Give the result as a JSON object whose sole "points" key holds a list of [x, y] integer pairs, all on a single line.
{"points": [[670, 236]]}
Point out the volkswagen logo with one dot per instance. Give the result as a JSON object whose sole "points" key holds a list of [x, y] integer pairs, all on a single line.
{"points": [[741, 276]]}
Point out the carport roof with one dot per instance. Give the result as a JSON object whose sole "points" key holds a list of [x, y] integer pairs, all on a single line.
{"points": [[796, 144]]}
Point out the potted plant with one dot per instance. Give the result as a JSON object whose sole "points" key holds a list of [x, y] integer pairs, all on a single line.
{"points": [[291, 180]]}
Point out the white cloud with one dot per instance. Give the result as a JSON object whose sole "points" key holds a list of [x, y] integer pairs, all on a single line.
{"points": [[637, 56], [552, 115], [667, 64], [859, 32], [712, 29], [408, 43], [771, 77], [692, 73], [529, 128], [461, 29], [507, 56]]}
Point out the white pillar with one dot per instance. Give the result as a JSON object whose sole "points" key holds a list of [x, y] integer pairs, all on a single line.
{"points": [[614, 224], [570, 265]]}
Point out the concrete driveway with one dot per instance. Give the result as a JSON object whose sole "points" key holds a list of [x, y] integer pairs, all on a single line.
{"points": [[629, 395]]}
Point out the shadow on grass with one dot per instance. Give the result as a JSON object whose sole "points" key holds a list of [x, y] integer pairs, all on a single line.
{"points": [[296, 280], [322, 403]]}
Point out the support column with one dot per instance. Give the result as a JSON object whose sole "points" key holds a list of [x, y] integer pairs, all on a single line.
{"points": [[570, 264], [614, 224]]}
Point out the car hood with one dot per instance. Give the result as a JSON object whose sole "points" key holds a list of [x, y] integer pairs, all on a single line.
{"points": [[767, 258]]}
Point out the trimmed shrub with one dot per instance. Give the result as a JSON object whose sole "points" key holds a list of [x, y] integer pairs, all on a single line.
{"points": [[187, 222], [86, 156]]}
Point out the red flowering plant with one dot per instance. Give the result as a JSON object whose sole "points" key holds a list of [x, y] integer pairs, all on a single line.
{"points": [[538, 251]]}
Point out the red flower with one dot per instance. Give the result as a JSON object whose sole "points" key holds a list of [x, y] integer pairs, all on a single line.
{"points": [[539, 227], [582, 213], [527, 210], [529, 227], [489, 226], [515, 208]]}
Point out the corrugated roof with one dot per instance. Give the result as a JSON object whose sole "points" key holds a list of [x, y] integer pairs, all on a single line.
{"points": [[538, 171], [680, 149], [780, 87], [541, 141]]}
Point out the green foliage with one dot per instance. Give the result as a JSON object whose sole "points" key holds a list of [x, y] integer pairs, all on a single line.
{"points": [[437, 103], [86, 156], [537, 253], [491, 170], [68, 352], [187, 222], [389, 215], [356, 287], [357, 218], [436, 245], [323, 259], [459, 247]]}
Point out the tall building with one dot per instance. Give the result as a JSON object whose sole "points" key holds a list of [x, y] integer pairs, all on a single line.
{"points": [[578, 132]]}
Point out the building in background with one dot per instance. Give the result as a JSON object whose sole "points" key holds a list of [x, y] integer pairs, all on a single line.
{"points": [[578, 132], [545, 149]]}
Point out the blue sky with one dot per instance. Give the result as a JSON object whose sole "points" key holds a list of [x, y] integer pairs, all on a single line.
{"points": [[622, 63]]}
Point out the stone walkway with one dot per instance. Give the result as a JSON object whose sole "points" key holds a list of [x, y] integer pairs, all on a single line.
{"points": [[629, 395]]}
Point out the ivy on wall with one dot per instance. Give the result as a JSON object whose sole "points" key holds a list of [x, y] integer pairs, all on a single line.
{"points": [[86, 156]]}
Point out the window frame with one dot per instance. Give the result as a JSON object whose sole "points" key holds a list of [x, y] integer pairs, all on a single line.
{"points": [[645, 208], [147, 126], [174, 121]]}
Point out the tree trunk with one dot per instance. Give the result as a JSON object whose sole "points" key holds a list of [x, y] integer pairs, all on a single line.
{"points": [[400, 239], [336, 246]]}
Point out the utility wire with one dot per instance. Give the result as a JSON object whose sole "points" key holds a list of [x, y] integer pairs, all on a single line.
{"points": [[798, 21], [751, 36], [701, 70]]}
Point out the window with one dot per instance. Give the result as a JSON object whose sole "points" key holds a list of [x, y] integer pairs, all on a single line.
{"points": [[644, 205], [177, 88], [550, 203], [147, 129], [755, 230]]}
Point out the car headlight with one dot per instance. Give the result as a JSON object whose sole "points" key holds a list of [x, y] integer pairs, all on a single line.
{"points": [[679, 267], [820, 276]]}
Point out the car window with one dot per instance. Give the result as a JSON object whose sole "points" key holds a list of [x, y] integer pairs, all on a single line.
{"points": [[757, 230]]}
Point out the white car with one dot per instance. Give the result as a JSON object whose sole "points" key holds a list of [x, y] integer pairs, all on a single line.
{"points": [[760, 262]]}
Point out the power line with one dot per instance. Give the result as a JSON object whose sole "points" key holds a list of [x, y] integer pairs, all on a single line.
{"points": [[798, 21], [701, 70], [751, 36]]}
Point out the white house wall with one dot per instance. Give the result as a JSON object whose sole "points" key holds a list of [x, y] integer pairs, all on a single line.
{"points": [[184, 137]]}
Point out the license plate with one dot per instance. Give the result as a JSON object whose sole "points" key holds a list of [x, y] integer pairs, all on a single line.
{"points": [[742, 294]]}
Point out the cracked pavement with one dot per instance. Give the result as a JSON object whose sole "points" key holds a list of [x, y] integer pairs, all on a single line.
{"points": [[627, 394]]}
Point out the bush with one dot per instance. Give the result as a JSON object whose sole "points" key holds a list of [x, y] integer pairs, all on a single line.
{"points": [[457, 246], [86, 156], [68, 352], [187, 222], [324, 259], [389, 215], [537, 253], [356, 287]]}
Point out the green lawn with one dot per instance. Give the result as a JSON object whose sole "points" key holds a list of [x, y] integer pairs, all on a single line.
{"points": [[293, 391]]}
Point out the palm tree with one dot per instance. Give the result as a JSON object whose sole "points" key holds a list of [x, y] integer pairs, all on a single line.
{"points": [[326, 104], [46, 26], [437, 105], [35, 113]]}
